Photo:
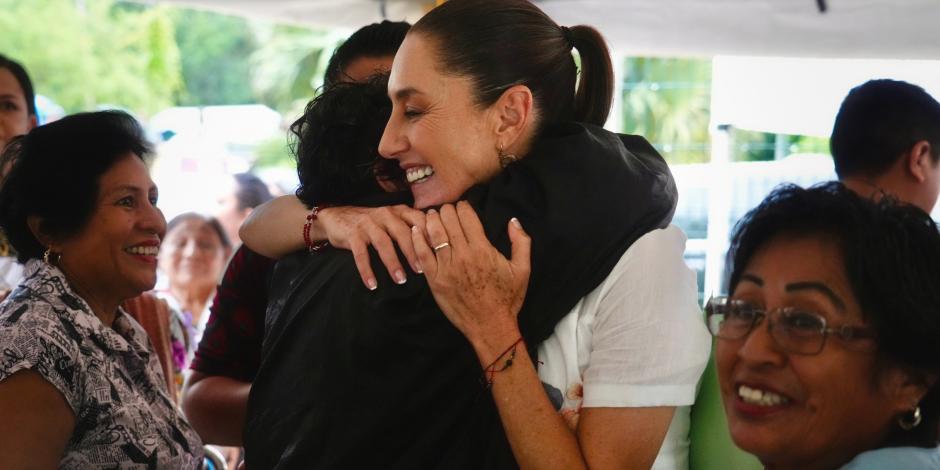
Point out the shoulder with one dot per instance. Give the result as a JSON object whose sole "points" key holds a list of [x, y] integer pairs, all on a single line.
{"points": [[35, 337], [655, 261], [898, 458]]}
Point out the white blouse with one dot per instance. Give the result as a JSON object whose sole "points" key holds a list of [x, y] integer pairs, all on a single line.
{"points": [[638, 340]]}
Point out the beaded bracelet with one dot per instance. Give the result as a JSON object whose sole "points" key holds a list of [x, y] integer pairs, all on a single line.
{"points": [[489, 373], [311, 245]]}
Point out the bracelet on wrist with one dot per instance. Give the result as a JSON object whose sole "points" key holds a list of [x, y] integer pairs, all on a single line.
{"points": [[490, 371], [308, 242]]}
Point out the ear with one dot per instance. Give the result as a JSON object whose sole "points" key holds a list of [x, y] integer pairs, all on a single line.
{"points": [[35, 226], [906, 388], [513, 117], [920, 161], [33, 122]]}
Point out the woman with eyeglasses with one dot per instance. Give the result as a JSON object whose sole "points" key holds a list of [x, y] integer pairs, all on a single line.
{"points": [[828, 346]]}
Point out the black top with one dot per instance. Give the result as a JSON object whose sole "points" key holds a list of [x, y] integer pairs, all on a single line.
{"points": [[358, 379]]}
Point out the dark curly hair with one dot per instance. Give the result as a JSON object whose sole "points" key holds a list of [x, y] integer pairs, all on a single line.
{"points": [[336, 143], [891, 256], [374, 40], [56, 172]]}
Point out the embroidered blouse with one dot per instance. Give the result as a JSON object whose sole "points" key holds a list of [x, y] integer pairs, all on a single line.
{"points": [[110, 377]]}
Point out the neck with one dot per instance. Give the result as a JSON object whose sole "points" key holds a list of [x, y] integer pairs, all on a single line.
{"points": [[865, 187], [103, 306], [192, 298]]}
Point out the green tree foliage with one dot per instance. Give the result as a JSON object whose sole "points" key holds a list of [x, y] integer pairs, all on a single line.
{"points": [[85, 54], [216, 52], [667, 101], [288, 67]]}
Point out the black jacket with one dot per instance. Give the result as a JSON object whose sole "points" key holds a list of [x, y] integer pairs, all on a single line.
{"points": [[358, 379]]}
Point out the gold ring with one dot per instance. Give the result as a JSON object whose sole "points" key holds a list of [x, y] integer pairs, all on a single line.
{"points": [[441, 246]]}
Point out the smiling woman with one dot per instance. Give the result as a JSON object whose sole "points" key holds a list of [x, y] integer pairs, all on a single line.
{"points": [[80, 209], [827, 351]]}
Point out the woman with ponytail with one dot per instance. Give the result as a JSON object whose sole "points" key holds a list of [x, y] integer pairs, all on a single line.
{"points": [[575, 342]]}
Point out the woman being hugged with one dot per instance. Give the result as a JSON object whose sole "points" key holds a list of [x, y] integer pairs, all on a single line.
{"points": [[487, 108], [80, 386]]}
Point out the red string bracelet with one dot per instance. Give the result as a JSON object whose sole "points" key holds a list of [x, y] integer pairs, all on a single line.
{"points": [[311, 245], [489, 373]]}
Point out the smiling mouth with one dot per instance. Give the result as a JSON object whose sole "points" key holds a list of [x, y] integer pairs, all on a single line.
{"points": [[758, 397], [143, 250], [418, 174]]}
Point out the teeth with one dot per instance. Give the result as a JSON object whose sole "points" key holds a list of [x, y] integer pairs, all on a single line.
{"points": [[417, 174], [760, 397], [143, 250]]}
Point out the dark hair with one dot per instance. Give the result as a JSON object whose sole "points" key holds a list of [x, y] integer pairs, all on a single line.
{"points": [[375, 40], [56, 172], [336, 143], [501, 43], [878, 121], [891, 256], [23, 78], [212, 222], [251, 191]]}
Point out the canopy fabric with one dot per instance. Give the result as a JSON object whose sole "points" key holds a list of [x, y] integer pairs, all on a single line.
{"points": [[890, 29], [800, 96]]}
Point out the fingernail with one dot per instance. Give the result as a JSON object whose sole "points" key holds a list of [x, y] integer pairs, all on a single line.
{"points": [[418, 268], [515, 222], [414, 228], [372, 284], [400, 277], [431, 211]]}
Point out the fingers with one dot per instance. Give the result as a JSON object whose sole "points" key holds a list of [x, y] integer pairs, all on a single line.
{"points": [[400, 231], [521, 248], [455, 235], [426, 259], [360, 252], [438, 237], [382, 243], [406, 217], [470, 222]]}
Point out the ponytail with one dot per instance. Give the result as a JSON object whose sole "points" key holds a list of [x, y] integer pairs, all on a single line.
{"points": [[501, 43], [596, 87]]}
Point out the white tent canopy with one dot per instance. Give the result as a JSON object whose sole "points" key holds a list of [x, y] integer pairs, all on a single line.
{"points": [[800, 96], [889, 29]]}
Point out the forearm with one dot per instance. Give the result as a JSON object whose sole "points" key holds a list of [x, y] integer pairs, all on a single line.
{"points": [[216, 407], [538, 435], [275, 228]]}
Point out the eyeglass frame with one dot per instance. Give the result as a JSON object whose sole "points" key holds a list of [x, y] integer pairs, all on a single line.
{"points": [[843, 332]]}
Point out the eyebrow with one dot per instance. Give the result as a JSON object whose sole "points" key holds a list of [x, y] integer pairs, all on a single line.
{"points": [[406, 92], [818, 287], [131, 188], [753, 278]]}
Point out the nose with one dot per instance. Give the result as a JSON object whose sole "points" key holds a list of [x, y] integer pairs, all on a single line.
{"points": [[760, 348], [153, 221], [392, 142]]}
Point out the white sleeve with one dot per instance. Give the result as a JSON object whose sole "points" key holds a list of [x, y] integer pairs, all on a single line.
{"points": [[649, 344]]}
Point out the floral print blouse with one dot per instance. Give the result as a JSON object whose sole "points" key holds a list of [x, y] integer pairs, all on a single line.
{"points": [[109, 376]]}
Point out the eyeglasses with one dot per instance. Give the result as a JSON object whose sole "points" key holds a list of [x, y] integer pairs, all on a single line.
{"points": [[796, 331]]}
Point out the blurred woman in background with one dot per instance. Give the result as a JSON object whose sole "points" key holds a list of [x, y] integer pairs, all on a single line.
{"points": [[192, 257], [17, 117]]}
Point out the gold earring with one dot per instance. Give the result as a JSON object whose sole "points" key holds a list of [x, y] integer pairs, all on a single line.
{"points": [[505, 159], [910, 420], [51, 258]]}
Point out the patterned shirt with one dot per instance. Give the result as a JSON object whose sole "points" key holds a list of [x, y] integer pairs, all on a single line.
{"points": [[108, 376], [231, 343]]}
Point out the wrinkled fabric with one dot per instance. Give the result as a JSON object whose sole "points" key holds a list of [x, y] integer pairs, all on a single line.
{"points": [[357, 379]]}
